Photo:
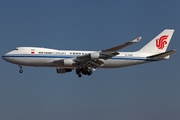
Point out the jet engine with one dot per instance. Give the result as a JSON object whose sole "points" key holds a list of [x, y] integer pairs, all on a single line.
{"points": [[68, 62], [94, 56], [63, 70]]}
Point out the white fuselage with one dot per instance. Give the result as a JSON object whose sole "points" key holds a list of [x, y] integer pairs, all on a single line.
{"points": [[44, 57]]}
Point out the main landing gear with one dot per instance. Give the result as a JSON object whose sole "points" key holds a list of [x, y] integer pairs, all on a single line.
{"points": [[20, 70], [84, 71]]}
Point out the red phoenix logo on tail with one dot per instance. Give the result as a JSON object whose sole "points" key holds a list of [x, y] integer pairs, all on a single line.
{"points": [[160, 42]]}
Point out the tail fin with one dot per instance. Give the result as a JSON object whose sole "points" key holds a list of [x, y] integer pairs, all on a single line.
{"points": [[159, 44]]}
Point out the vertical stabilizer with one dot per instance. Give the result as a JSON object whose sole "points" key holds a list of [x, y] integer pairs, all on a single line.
{"points": [[159, 44]]}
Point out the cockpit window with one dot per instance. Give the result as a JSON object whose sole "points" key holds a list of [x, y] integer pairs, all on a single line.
{"points": [[15, 49]]}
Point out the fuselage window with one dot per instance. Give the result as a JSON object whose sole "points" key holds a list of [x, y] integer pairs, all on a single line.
{"points": [[15, 49]]}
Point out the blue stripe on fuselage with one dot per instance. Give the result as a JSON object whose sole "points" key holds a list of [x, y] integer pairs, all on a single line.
{"points": [[71, 56]]}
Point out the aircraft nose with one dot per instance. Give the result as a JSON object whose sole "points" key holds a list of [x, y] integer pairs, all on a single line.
{"points": [[4, 57]]}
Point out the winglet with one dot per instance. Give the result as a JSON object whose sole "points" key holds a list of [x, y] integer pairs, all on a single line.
{"points": [[137, 39]]}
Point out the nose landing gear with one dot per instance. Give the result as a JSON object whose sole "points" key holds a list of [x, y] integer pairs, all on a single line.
{"points": [[20, 71]]}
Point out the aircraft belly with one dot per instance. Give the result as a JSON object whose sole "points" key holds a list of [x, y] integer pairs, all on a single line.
{"points": [[120, 63]]}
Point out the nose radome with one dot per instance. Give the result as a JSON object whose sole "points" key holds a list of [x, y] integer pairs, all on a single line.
{"points": [[4, 57]]}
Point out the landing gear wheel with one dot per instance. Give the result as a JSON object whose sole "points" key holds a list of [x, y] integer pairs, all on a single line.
{"points": [[20, 71], [89, 73], [78, 71], [79, 75]]}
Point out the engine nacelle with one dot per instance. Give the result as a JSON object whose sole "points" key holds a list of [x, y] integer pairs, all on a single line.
{"points": [[68, 62], [63, 70], [94, 56]]}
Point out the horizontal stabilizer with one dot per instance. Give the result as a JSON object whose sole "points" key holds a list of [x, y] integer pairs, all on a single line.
{"points": [[162, 55]]}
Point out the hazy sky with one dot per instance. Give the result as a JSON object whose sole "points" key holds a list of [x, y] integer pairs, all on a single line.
{"points": [[144, 92]]}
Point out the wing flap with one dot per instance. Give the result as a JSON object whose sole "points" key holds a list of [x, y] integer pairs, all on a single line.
{"points": [[93, 63]]}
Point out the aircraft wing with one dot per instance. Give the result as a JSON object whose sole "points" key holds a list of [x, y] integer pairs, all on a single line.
{"points": [[116, 48], [81, 61], [95, 59], [93, 63], [87, 61], [111, 52]]}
